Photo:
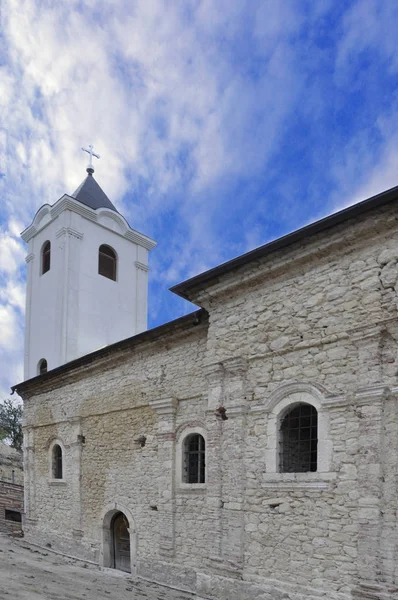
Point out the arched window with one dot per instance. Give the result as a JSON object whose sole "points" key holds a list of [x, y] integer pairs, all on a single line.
{"points": [[299, 440], [45, 257], [107, 262], [57, 461], [194, 459], [42, 366]]}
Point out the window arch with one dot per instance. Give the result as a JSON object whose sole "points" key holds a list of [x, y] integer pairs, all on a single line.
{"points": [[57, 462], [298, 439], [42, 366], [107, 262], [282, 402], [194, 459], [45, 257]]}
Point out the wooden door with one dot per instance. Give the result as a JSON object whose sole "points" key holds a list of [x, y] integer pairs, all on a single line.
{"points": [[121, 543]]}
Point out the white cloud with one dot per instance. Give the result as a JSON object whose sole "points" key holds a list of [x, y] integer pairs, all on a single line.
{"points": [[11, 253], [368, 25], [13, 293], [8, 328]]}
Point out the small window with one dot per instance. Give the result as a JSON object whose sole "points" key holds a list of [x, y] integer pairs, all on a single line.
{"points": [[57, 462], [107, 262], [299, 440], [194, 458], [46, 258], [12, 515], [42, 368]]}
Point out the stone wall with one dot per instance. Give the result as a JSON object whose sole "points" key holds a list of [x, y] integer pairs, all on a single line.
{"points": [[11, 507], [11, 467], [314, 323]]}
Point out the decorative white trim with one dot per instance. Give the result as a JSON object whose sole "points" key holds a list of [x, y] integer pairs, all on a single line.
{"points": [[68, 203], [141, 266], [140, 239], [182, 435], [286, 396], [69, 231]]}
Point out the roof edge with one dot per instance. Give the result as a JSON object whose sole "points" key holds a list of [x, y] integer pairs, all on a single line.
{"points": [[182, 289], [185, 322]]}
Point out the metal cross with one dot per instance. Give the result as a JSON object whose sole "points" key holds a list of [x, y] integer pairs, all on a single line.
{"points": [[90, 167]]}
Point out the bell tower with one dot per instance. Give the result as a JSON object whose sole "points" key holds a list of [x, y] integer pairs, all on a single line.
{"points": [[87, 278]]}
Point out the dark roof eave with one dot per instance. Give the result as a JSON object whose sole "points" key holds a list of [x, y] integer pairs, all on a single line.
{"points": [[193, 318], [182, 289]]}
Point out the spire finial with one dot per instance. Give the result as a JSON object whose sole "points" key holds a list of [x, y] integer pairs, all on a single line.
{"points": [[90, 166]]}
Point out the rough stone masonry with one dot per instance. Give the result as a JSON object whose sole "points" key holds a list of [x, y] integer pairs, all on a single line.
{"points": [[311, 320], [11, 489]]}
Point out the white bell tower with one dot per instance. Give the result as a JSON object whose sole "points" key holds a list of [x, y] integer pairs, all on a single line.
{"points": [[87, 279]]}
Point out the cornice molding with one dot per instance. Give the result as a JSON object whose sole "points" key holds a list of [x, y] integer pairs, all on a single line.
{"points": [[235, 411], [214, 373], [141, 266], [70, 232], [69, 203], [371, 393], [164, 406], [236, 366]]}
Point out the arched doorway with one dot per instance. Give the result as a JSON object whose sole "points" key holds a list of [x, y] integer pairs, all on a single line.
{"points": [[119, 539], [121, 542]]}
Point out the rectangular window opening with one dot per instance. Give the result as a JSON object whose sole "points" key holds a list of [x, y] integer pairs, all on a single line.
{"points": [[12, 515]]}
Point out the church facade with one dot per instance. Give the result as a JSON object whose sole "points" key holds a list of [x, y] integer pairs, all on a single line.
{"points": [[246, 450]]}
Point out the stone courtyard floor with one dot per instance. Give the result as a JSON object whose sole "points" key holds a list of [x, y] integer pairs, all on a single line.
{"points": [[30, 573]]}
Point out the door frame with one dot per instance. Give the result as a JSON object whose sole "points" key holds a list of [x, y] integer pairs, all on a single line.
{"points": [[106, 557], [117, 516]]}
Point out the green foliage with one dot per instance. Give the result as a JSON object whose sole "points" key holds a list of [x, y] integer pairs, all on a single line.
{"points": [[11, 423]]}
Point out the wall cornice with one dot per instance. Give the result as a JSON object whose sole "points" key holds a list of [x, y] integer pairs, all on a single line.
{"points": [[164, 406], [69, 203], [70, 232], [141, 266]]}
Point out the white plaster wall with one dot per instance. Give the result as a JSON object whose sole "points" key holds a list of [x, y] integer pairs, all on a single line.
{"points": [[71, 309], [106, 309], [44, 301]]}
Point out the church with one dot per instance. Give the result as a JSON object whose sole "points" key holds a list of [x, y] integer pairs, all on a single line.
{"points": [[246, 450]]}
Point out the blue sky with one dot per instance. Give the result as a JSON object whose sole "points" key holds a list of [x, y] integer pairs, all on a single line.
{"points": [[221, 125]]}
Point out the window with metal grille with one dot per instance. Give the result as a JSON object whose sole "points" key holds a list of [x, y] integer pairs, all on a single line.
{"points": [[107, 262], [299, 440], [46, 258], [57, 462], [194, 458], [42, 368]]}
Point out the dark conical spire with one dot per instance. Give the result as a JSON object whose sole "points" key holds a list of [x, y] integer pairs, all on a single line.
{"points": [[90, 194]]}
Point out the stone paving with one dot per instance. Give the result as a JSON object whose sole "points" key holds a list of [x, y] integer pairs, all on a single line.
{"points": [[30, 573]]}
